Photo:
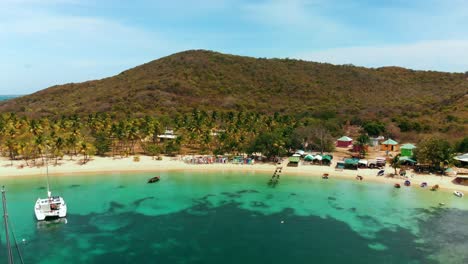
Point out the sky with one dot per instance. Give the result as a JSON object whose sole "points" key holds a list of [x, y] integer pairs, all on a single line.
{"points": [[50, 42]]}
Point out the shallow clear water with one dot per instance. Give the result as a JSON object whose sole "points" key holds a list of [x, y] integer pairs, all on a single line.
{"points": [[232, 217]]}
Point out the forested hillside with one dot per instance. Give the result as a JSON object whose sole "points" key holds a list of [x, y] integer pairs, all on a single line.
{"points": [[414, 101]]}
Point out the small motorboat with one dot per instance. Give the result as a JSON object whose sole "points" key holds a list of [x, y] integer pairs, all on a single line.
{"points": [[407, 183], [435, 187], [458, 193], [154, 179], [423, 185], [325, 176], [397, 185]]}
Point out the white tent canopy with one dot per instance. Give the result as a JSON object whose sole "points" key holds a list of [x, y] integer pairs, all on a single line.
{"points": [[463, 157]]}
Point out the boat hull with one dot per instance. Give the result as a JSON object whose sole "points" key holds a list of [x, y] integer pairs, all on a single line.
{"points": [[53, 207]]}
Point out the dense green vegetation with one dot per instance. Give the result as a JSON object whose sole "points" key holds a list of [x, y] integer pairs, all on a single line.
{"points": [[435, 151], [393, 100], [198, 132]]}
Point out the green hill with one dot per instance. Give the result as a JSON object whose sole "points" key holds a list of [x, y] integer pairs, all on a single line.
{"points": [[213, 81]]}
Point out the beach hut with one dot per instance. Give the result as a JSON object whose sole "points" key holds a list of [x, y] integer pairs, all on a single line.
{"points": [[344, 142], [374, 141], [168, 135], [407, 150], [389, 145]]}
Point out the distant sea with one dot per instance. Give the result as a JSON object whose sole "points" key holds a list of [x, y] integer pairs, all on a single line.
{"points": [[235, 217], [6, 97]]}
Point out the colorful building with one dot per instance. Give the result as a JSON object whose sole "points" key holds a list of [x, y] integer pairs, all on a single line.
{"points": [[407, 150], [344, 142], [389, 145]]}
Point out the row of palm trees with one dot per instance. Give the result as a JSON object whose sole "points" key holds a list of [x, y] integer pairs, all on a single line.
{"points": [[199, 131]]}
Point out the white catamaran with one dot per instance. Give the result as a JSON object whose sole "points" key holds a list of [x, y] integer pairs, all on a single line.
{"points": [[50, 207]]}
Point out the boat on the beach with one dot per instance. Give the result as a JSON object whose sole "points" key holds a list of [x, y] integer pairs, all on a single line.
{"points": [[381, 173], [325, 176], [397, 185], [154, 179], [50, 207], [458, 194]]}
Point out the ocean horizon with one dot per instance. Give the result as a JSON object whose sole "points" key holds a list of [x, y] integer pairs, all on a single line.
{"points": [[232, 217], [8, 96]]}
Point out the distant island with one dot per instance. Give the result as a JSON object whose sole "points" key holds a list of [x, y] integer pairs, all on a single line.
{"points": [[9, 96]]}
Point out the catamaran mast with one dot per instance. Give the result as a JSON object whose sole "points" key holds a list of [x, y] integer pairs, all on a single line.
{"points": [[47, 177], [7, 233]]}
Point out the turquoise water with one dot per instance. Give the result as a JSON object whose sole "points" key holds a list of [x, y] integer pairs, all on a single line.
{"points": [[6, 97], [232, 217]]}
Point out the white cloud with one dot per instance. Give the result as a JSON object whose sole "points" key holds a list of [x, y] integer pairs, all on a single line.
{"points": [[60, 48], [440, 55], [288, 13]]}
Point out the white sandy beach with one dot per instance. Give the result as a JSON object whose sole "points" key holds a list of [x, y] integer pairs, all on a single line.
{"points": [[147, 164]]}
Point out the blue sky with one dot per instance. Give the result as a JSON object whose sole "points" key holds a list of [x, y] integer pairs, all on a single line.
{"points": [[48, 42]]}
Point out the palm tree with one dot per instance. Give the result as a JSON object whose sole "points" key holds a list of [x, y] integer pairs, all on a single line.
{"points": [[362, 141], [395, 163]]}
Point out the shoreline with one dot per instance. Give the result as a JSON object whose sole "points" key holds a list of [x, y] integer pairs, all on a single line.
{"points": [[108, 165]]}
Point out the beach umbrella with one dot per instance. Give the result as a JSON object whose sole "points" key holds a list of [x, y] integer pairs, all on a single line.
{"points": [[309, 157], [318, 157]]}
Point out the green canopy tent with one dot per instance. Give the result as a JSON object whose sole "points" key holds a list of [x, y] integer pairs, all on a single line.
{"points": [[406, 160], [326, 159], [351, 164], [294, 161], [309, 157]]}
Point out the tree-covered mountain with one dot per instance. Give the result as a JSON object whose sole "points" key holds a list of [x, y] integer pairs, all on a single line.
{"points": [[412, 100]]}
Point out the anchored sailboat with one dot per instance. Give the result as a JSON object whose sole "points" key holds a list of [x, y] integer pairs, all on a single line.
{"points": [[50, 207]]}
